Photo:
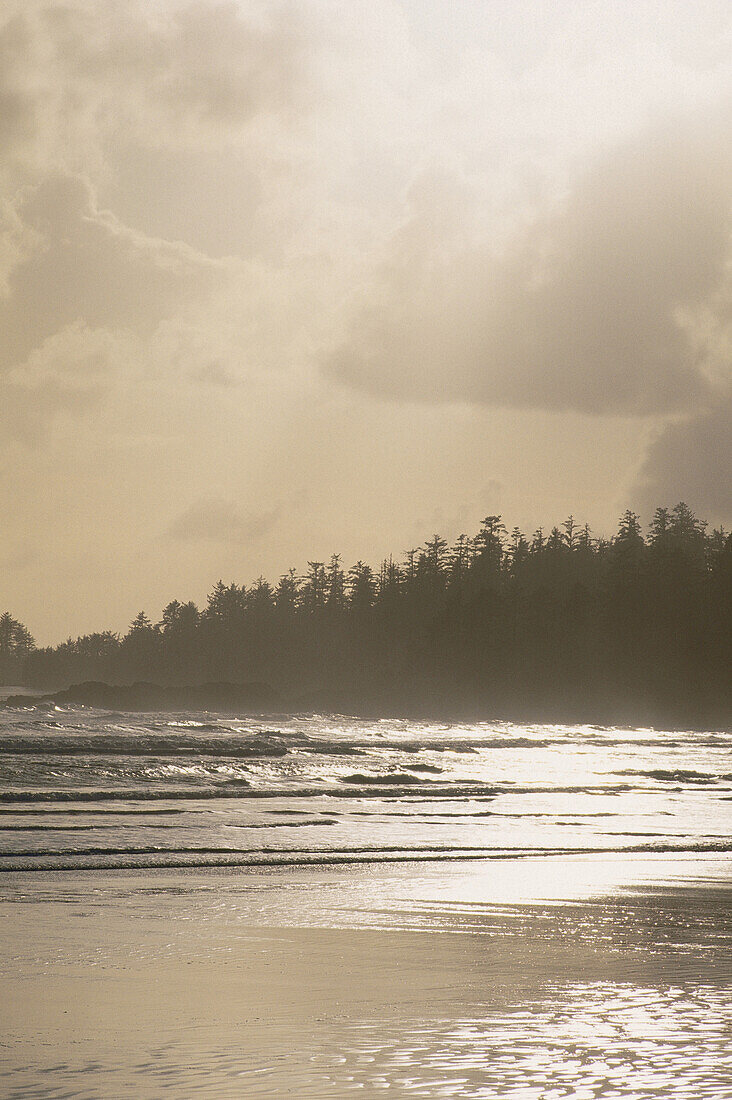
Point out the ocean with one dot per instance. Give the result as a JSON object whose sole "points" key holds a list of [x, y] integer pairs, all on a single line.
{"points": [[87, 789]]}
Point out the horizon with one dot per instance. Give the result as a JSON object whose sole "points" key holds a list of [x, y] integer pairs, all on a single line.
{"points": [[281, 277]]}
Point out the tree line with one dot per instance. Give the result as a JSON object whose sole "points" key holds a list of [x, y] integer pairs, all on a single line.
{"points": [[557, 623]]}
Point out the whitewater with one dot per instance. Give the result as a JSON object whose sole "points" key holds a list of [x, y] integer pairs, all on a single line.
{"points": [[83, 788]]}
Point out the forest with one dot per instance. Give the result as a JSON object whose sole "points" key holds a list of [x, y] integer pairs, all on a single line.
{"points": [[557, 626]]}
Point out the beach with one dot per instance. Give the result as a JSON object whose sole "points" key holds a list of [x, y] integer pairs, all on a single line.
{"points": [[417, 981], [306, 905]]}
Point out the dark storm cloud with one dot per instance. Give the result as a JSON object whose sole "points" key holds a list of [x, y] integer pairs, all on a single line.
{"points": [[221, 520], [579, 312], [691, 460]]}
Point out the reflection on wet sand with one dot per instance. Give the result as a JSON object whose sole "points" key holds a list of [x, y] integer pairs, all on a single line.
{"points": [[584, 1040], [196, 986]]}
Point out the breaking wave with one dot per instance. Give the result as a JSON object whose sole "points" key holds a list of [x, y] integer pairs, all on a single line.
{"points": [[82, 789]]}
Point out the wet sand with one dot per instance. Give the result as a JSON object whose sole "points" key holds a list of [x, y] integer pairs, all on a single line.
{"points": [[194, 984]]}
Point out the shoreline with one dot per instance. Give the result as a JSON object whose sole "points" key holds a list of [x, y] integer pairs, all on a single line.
{"points": [[243, 860]]}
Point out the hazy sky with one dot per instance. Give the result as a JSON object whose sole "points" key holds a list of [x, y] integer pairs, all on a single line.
{"points": [[279, 279]]}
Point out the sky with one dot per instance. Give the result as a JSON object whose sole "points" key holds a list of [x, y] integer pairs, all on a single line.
{"points": [[283, 278]]}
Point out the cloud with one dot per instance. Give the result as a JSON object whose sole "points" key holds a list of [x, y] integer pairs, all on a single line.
{"points": [[219, 520], [165, 73], [19, 100], [87, 88], [17, 242], [69, 373], [690, 457], [691, 460], [581, 310], [87, 266], [215, 374], [81, 293]]}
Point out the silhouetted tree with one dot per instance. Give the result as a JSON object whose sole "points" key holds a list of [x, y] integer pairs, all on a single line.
{"points": [[554, 622], [16, 643]]}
